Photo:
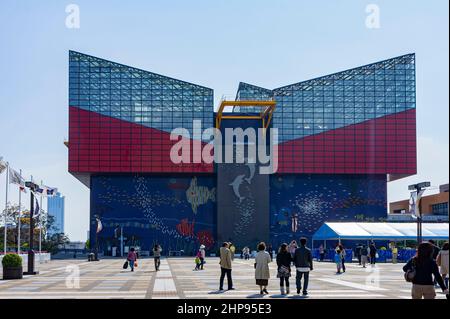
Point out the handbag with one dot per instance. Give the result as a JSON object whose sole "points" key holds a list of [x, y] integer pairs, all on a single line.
{"points": [[125, 265], [411, 273], [135, 264], [283, 271]]}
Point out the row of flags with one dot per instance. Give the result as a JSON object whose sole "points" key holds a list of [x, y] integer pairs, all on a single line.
{"points": [[17, 179]]}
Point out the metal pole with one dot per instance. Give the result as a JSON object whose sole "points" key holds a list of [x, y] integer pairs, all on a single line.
{"points": [[40, 226], [121, 241], [19, 223], [5, 227], [30, 250]]}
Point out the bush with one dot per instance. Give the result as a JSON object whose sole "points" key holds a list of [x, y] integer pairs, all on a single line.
{"points": [[11, 260]]}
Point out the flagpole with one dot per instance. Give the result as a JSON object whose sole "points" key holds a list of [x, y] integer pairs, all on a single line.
{"points": [[40, 226], [5, 227], [20, 215]]}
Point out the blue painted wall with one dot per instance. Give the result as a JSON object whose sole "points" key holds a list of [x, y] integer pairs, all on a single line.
{"points": [[300, 204], [178, 212]]}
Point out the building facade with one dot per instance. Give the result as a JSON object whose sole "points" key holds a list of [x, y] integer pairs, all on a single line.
{"points": [[55, 208], [434, 207], [341, 138]]}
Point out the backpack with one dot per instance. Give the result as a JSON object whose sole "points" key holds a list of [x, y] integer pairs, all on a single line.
{"points": [[410, 274]]}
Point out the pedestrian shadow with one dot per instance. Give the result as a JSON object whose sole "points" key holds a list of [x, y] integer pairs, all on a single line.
{"points": [[255, 296], [278, 296], [298, 297], [216, 292]]}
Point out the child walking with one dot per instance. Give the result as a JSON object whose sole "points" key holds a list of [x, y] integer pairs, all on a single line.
{"points": [[338, 260]]}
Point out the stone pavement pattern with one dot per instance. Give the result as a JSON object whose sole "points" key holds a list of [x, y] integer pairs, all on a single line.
{"points": [[176, 279]]}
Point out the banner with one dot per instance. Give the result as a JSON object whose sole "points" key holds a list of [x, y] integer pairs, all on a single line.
{"points": [[37, 209], [412, 204], [99, 225]]}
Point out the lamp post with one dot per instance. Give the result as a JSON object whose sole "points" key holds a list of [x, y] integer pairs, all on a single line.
{"points": [[32, 186], [419, 188]]}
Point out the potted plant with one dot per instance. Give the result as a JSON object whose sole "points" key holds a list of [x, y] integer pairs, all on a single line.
{"points": [[12, 266]]}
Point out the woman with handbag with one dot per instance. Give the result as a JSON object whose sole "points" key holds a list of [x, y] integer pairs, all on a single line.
{"points": [[442, 261], [131, 258], [262, 272], [420, 271], [284, 260]]}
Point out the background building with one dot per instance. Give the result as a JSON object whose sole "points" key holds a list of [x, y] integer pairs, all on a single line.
{"points": [[55, 208], [434, 207], [342, 137]]}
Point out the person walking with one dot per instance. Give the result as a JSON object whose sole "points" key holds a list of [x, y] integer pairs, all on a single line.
{"points": [[442, 261], [425, 268], [292, 247], [394, 253], [358, 253], [157, 256], [246, 252], [284, 260], [262, 272], [338, 260], [131, 257], [202, 256], [225, 266], [304, 264], [364, 253], [373, 253], [343, 254], [321, 253], [270, 251], [232, 249]]}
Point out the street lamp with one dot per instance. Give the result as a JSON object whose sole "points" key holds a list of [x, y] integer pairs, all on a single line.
{"points": [[419, 188], [33, 187]]}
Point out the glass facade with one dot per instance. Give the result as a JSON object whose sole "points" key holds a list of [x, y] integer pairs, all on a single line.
{"points": [[56, 209], [121, 117], [358, 121], [345, 98]]}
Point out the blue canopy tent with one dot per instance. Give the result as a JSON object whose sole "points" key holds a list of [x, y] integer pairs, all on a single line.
{"points": [[381, 232]]}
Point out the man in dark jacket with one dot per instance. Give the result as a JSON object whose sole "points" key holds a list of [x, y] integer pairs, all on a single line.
{"points": [[304, 264]]}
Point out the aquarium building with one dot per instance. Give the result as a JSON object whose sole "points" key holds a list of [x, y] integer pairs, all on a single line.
{"points": [[341, 138]]}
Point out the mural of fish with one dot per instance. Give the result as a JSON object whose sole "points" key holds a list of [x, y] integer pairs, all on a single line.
{"points": [[199, 195]]}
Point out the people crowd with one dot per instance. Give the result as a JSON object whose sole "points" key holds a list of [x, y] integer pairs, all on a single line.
{"points": [[428, 269]]}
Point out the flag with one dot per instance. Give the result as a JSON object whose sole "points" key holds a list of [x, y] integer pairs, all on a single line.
{"points": [[3, 165], [46, 190], [37, 209], [16, 178], [99, 225]]}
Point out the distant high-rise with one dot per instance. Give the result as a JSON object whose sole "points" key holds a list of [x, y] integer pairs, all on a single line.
{"points": [[56, 209]]}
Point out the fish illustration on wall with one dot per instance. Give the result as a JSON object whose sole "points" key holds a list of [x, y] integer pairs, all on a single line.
{"points": [[199, 195], [236, 184]]}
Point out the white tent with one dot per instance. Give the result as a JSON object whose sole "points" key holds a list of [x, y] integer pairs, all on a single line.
{"points": [[381, 231]]}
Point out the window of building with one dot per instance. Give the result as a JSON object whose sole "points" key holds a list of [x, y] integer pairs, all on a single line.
{"points": [[439, 209]]}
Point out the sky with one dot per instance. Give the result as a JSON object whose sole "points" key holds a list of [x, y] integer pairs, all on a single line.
{"points": [[212, 43]]}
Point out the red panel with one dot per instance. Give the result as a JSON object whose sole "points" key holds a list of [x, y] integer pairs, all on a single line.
{"points": [[378, 146], [100, 143]]}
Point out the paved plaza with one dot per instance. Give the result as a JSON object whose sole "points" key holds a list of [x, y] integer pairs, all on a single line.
{"points": [[176, 279]]}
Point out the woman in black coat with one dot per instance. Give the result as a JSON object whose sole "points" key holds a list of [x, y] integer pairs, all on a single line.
{"points": [[284, 260]]}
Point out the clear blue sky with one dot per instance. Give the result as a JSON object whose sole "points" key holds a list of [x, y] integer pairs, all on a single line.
{"points": [[213, 43]]}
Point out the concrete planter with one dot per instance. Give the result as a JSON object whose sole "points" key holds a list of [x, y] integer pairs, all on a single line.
{"points": [[12, 273]]}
